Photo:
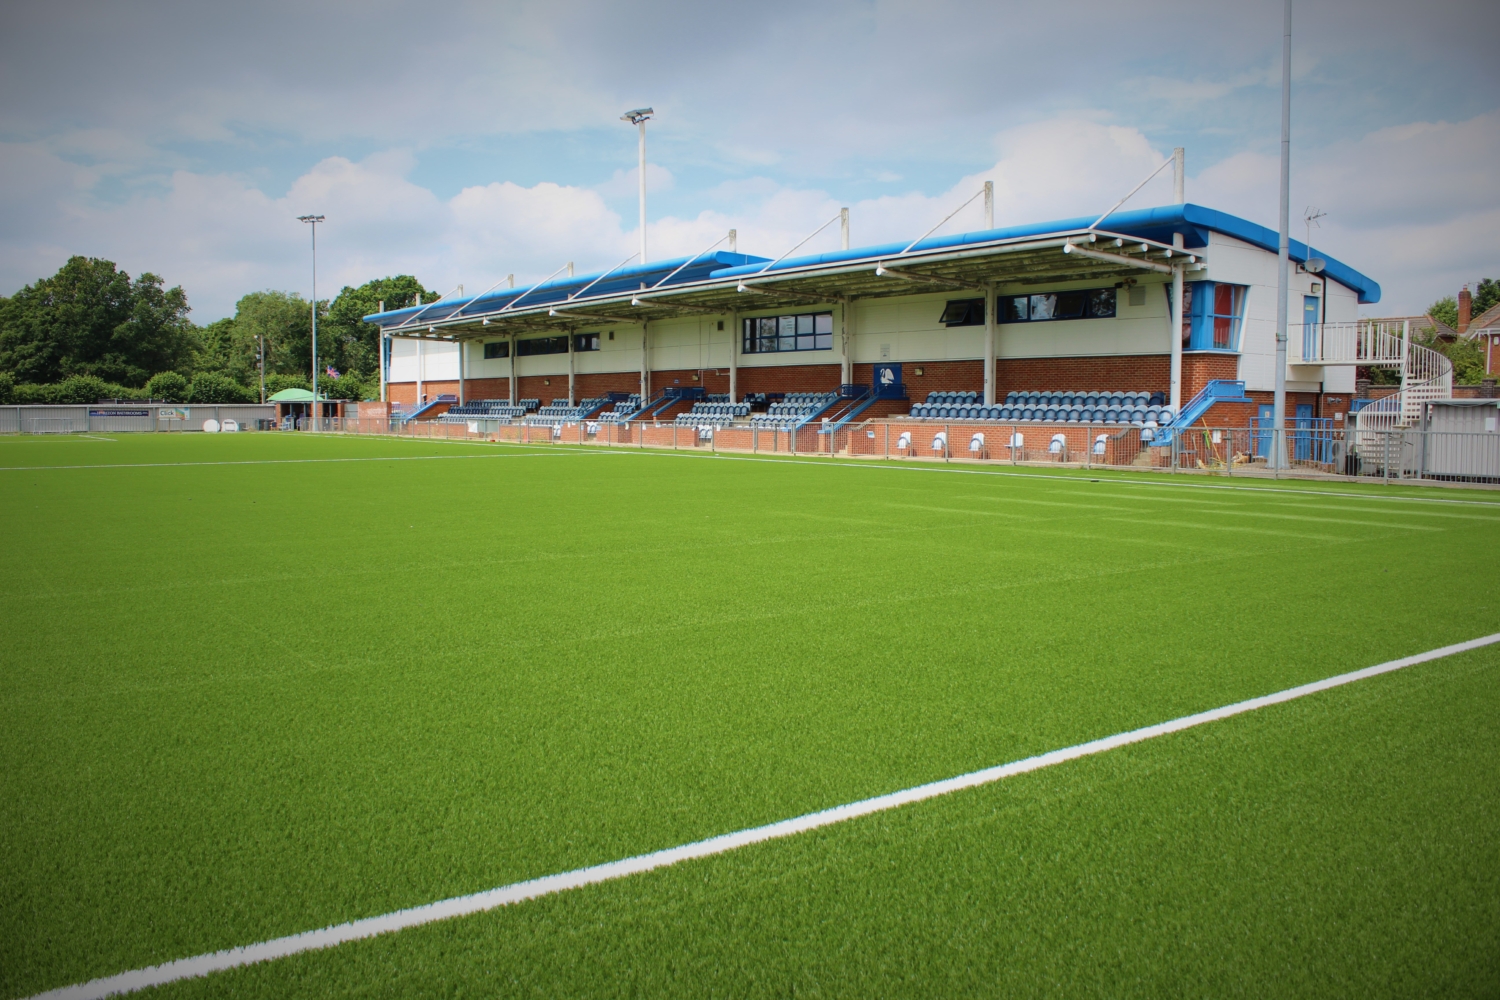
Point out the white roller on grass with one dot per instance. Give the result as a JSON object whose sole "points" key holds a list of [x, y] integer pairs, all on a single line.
{"points": [[479, 902]]}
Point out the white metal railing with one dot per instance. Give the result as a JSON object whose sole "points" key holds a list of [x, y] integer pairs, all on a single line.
{"points": [[1372, 344], [1426, 375]]}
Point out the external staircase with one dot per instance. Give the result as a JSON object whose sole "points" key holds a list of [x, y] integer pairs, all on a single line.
{"points": [[1426, 375]]}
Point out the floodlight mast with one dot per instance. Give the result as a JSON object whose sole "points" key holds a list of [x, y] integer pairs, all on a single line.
{"points": [[638, 118], [313, 221], [1283, 251]]}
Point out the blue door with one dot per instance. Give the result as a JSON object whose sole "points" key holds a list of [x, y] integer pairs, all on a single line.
{"points": [[1303, 435], [1263, 434], [1311, 305]]}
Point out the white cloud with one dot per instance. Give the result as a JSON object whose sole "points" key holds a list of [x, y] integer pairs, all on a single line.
{"points": [[220, 236], [1413, 206]]}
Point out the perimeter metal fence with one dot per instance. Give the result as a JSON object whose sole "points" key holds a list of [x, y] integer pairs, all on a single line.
{"points": [[1310, 448], [131, 417]]}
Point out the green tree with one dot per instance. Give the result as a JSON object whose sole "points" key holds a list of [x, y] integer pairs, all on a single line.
{"points": [[169, 387], [278, 381], [1486, 294], [284, 319], [90, 318], [352, 345], [1445, 310], [225, 347], [212, 387]]}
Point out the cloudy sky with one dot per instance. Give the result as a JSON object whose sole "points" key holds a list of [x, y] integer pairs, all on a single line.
{"points": [[461, 142]]}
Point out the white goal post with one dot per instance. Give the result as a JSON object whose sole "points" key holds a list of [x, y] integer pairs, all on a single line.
{"points": [[51, 425]]}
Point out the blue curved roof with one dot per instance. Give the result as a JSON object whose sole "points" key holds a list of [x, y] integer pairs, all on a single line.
{"points": [[1195, 222], [626, 279]]}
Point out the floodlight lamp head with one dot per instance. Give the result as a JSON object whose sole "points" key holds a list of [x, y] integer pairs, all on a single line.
{"points": [[637, 116], [309, 218]]}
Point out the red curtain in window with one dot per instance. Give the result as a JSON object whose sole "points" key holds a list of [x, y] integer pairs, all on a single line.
{"points": [[1223, 315]]}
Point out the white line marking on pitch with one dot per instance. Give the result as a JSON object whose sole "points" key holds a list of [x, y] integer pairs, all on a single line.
{"points": [[1111, 476], [479, 902], [535, 453]]}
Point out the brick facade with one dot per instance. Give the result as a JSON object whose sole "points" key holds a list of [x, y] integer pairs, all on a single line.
{"points": [[793, 378], [937, 376], [1108, 373], [1143, 372]]}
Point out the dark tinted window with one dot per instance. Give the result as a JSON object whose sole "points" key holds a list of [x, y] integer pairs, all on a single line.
{"points": [[1088, 303], [586, 342], [1069, 305], [541, 345], [497, 349], [799, 332], [963, 312]]}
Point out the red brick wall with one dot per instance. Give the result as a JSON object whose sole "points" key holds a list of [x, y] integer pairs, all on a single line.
{"points": [[1140, 372], [406, 392], [937, 376], [791, 378], [713, 380], [485, 388], [596, 384], [1199, 369]]}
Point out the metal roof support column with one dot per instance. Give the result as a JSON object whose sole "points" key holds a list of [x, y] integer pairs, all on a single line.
{"points": [[1179, 189], [1175, 378], [989, 342], [734, 357], [462, 350], [645, 361], [572, 338], [421, 366], [385, 353], [846, 339], [513, 396]]}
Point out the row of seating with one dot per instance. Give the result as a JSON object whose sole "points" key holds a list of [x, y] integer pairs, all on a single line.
{"points": [[563, 408], [1112, 414], [623, 410], [946, 398], [1080, 397], [800, 404], [493, 407], [714, 413], [796, 407]]}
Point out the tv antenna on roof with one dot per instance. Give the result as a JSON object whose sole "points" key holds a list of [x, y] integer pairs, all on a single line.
{"points": [[1313, 265]]}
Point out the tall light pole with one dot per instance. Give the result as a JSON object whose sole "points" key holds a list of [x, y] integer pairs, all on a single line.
{"points": [[638, 118], [313, 220], [1283, 252]]}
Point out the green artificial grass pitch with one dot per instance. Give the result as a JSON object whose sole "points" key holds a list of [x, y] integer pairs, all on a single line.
{"points": [[256, 684]]}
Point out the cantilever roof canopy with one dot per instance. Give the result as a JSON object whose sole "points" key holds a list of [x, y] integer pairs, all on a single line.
{"points": [[716, 283]]}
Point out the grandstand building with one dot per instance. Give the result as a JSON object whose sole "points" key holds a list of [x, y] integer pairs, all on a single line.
{"points": [[1039, 308]]}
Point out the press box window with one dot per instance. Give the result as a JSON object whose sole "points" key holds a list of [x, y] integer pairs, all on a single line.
{"points": [[1087, 303], [496, 349], [963, 312], [1212, 313], [585, 341], [803, 332], [541, 345]]}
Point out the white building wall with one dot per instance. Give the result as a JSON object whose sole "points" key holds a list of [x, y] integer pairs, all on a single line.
{"points": [[908, 328], [438, 360], [1237, 262]]}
